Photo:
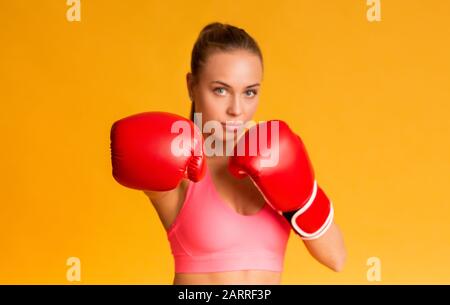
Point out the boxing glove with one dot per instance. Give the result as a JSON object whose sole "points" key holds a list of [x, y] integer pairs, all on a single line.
{"points": [[153, 151], [277, 161]]}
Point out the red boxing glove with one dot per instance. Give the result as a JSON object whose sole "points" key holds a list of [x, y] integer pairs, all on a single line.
{"points": [[276, 160], [153, 151]]}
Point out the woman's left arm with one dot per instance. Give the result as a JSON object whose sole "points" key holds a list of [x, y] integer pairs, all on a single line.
{"points": [[329, 249]]}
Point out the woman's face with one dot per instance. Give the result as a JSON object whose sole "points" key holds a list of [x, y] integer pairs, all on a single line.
{"points": [[227, 90]]}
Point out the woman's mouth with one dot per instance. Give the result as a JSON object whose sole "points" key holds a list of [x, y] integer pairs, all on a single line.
{"points": [[231, 126]]}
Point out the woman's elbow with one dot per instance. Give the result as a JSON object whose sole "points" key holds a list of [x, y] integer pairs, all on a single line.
{"points": [[338, 262]]}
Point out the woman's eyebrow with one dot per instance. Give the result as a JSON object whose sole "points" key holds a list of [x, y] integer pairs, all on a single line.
{"points": [[228, 86], [254, 85]]}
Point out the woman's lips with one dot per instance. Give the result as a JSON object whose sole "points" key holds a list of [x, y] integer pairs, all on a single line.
{"points": [[232, 126]]}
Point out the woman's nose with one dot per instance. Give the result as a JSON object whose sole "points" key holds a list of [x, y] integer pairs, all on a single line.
{"points": [[235, 107]]}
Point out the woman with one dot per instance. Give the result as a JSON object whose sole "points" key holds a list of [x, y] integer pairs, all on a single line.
{"points": [[221, 229]]}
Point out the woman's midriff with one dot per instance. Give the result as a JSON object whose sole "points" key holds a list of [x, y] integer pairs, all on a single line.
{"points": [[243, 277]]}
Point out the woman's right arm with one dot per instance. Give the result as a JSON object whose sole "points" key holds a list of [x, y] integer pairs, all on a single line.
{"points": [[158, 196], [145, 155], [168, 204]]}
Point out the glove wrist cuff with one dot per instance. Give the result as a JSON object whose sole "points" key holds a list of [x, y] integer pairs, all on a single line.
{"points": [[313, 219]]}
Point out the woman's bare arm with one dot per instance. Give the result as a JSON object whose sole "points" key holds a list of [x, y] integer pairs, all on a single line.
{"points": [[168, 204], [329, 249]]}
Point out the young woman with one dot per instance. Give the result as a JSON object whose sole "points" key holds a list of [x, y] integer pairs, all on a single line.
{"points": [[221, 229]]}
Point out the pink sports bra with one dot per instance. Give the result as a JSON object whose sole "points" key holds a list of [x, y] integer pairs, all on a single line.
{"points": [[209, 236]]}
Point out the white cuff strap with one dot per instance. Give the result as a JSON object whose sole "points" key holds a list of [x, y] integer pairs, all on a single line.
{"points": [[325, 226], [323, 229]]}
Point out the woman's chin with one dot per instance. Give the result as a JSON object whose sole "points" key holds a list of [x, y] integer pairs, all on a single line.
{"points": [[223, 143]]}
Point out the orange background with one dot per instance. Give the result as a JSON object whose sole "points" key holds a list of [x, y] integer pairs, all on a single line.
{"points": [[370, 99]]}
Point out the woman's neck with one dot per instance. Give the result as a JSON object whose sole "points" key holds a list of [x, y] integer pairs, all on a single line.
{"points": [[217, 162]]}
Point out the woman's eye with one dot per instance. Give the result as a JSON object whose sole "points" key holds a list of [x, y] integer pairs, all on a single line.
{"points": [[251, 93], [220, 90]]}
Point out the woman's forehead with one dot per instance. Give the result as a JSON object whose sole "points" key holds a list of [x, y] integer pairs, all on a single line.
{"points": [[233, 67]]}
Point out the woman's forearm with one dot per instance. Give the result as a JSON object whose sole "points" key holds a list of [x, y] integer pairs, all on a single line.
{"points": [[329, 249]]}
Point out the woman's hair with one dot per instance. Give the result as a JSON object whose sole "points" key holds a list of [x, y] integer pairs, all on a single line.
{"points": [[219, 37]]}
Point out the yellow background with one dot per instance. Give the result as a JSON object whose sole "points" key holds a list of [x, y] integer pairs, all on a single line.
{"points": [[370, 99]]}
